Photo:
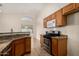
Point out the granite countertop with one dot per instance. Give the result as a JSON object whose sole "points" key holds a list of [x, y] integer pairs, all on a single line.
{"points": [[9, 40], [62, 36], [14, 33], [4, 45]]}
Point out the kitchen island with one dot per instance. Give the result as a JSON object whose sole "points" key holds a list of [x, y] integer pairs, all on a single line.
{"points": [[15, 44]]}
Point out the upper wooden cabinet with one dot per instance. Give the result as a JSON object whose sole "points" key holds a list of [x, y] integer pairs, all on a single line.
{"points": [[49, 18], [68, 9], [60, 19], [58, 16], [45, 23], [61, 15], [46, 20], [77, 5], [53, 16]]}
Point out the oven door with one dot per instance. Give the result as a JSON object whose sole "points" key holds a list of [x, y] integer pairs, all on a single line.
{"points": [[47, 45], [47, 41]]}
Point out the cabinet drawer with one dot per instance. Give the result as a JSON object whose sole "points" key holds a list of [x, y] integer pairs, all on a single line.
{"points": [[68, 9], [54, 46]]}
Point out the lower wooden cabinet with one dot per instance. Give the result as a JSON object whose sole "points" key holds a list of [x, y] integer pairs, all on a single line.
{"points": [[59, 46], [21, 46], [41, 40], [28, 44], [54, 47]]}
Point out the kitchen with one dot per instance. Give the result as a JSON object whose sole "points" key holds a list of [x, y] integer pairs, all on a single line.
{"points": [[22, 27]]}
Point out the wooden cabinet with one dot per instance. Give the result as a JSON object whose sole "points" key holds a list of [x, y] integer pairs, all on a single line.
{"points": [[61, 15], [59, 46], [28, 44], [77, 5], [55, 47], [45, 23], [46, 20], [60, 19], [69, 9], [49, 18], [53, 16], [19, 47], [41, 40]]}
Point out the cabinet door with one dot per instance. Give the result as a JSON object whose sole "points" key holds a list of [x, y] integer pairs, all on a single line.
{"points": [[28, 44], [77, 5], [45, 23], [68, 9], [49, 17], [54, 47], [41, 40], [19, 47], [53, 16], [60, 19], [62, 47], [46, 20]]}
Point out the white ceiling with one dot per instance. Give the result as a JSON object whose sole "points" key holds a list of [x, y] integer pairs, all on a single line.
{"points": [[28, 8]]}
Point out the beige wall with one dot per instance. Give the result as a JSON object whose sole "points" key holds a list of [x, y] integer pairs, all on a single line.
{"points": [[9, 21], [72, 28], [13, 20]]}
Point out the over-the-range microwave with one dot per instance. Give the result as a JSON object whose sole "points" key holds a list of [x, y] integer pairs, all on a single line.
{"points": [[51, 24]]}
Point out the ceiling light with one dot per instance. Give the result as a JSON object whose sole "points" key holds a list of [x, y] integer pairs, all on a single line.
{"points": [[26, 18]]}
